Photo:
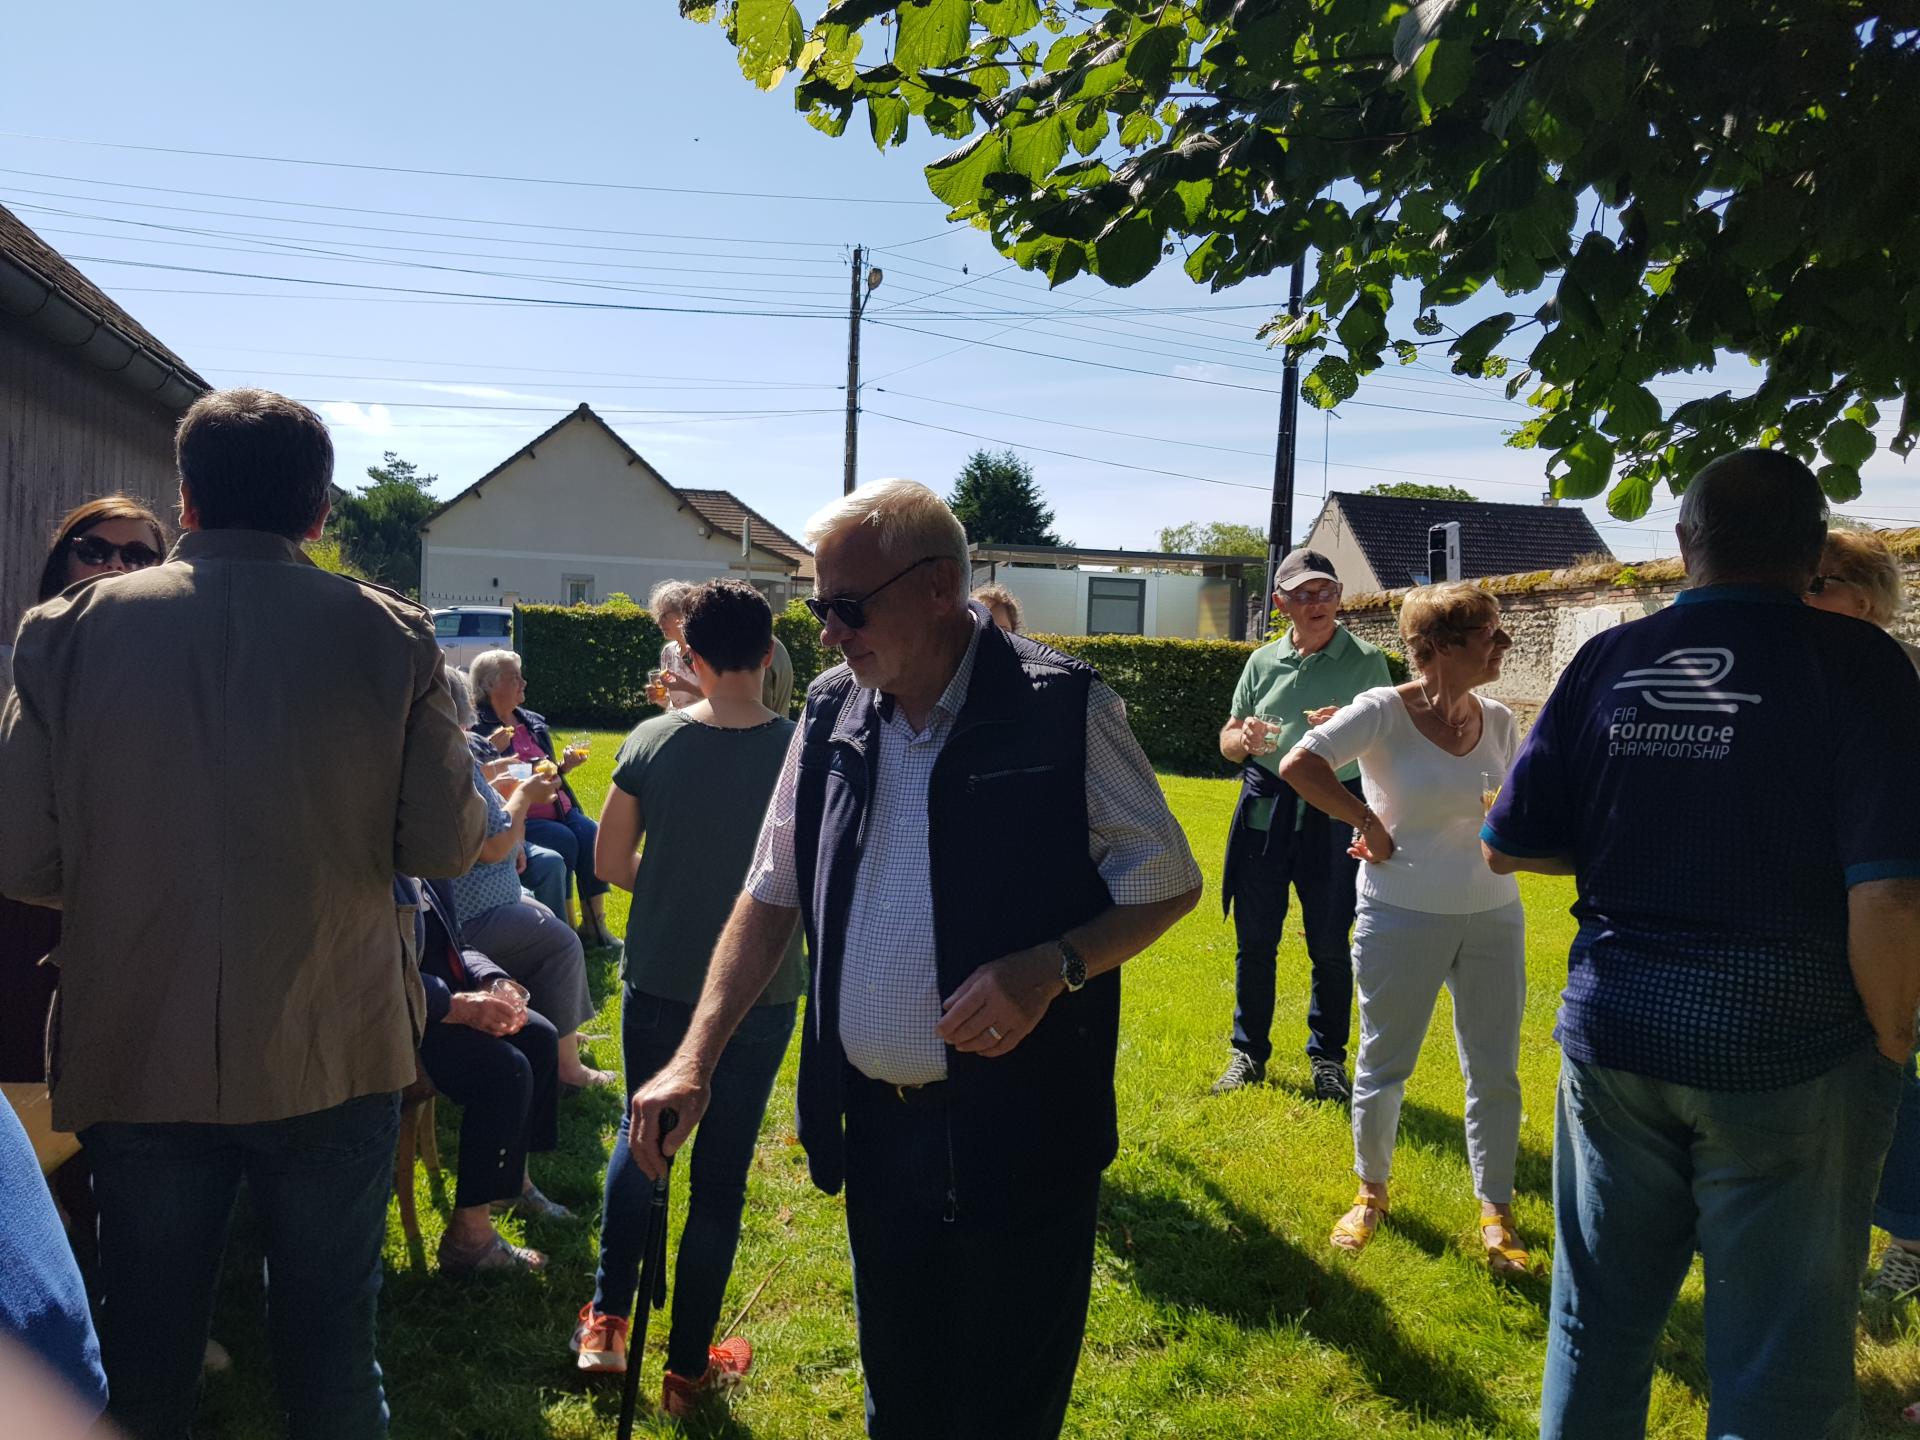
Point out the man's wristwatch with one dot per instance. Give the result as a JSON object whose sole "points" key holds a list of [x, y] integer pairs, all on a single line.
{"points": [[1073, 966]]}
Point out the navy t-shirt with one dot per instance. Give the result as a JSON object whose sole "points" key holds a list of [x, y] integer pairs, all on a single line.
{"points": [[1720, 773]]}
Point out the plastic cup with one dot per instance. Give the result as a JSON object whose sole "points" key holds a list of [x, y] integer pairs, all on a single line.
{"points": [[512, 991], [521, 770], [1489, 790]]}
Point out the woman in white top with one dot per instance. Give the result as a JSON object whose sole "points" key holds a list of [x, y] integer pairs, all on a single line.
{"points": [[1431, 755]]}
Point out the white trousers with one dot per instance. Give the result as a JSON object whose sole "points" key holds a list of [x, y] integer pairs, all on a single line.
{"points": [[1401, 958]]}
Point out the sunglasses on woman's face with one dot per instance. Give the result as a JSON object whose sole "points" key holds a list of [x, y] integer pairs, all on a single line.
{"points": [[1818, 585], [850, 610], [135, 555]]}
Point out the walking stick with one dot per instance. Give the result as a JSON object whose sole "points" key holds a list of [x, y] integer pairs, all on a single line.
{"points": [[650, 1287]]}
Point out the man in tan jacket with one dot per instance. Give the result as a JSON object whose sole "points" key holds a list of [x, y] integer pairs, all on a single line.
{"points": [[215, 766]]}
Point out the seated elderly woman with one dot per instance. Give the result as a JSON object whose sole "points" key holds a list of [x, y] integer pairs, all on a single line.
{"points": [[499, 688], [485, 1050], [522, 936]]}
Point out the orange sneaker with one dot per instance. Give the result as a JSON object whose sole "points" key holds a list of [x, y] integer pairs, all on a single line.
{"points": [[727, 1364], [600, 1341]]}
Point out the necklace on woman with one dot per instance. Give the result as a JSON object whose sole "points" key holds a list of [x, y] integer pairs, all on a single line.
{"points": [[1433, 709]]}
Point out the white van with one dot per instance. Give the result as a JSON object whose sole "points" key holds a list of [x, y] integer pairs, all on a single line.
{"points": [[465, 631]]}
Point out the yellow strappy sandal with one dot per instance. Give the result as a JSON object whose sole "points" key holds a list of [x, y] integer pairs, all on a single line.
{"points": [[1508, 1258], [1351, 1235]]}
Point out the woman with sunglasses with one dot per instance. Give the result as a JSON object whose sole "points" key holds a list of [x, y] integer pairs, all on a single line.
{"points": [[101, 537]]}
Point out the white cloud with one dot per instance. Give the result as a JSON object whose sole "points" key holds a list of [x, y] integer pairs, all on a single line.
{"points": [[350, 415], [491, 392]]}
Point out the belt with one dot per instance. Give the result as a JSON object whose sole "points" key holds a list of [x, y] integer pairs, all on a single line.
{"points": [[865, 1088]]}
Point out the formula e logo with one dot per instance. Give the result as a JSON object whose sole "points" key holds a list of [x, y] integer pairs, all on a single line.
{"points": [[1689, 680]]}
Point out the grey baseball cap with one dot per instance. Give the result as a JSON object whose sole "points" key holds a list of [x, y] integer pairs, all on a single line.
{"points": [[1301, 566]]}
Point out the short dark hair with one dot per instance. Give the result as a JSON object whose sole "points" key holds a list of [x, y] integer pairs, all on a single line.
{"points": [[82, 518], [728, 624], [254, 460], [1754, 512]]}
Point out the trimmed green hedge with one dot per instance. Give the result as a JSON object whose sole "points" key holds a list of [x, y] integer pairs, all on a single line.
{"points": [[587, 665]]}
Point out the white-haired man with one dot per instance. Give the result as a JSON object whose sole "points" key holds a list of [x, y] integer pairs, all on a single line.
{"points": [[956, 1068]]}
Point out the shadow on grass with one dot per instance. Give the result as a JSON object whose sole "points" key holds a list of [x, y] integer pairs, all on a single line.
{"points": [[1240, 1269], [1445, 1131]]}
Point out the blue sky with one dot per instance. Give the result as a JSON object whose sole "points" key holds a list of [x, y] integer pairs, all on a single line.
{"points": [[646, 108]]}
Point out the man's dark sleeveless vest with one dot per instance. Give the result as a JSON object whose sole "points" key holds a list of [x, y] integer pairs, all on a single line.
{"points": [[1007, 830]]}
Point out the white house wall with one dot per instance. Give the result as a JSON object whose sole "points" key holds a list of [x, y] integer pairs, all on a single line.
{"points": [[578, 505], [1333, 538], [1054, 602]]}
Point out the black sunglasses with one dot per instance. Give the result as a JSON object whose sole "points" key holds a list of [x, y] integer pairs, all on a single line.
{"points": [[851, 609], [93, 550], [1819, 583]]}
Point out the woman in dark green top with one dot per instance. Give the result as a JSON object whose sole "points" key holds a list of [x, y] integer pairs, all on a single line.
{"points": [[693, 783]]}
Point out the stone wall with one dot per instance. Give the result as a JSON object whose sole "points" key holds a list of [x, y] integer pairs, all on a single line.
{"points": [[1550, 621]]}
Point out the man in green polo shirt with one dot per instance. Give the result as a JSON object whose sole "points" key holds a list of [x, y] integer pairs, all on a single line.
{"points": [[1277, 840]]}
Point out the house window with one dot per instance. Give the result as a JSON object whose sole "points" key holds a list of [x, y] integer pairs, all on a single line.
{"points": [[1116, 606], [578, 589]]}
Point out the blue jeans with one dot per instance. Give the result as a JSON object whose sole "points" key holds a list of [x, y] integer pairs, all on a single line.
{"points": [[572, 836], [1897, 1208], [320, 1184], [1314, 860], [1774, 1187], [651, 1029], [546, 877], [970, 1317]]}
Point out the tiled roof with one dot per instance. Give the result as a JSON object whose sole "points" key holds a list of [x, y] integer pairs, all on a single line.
{"points": [[725, 511], [24, 248], [1494, 539]]}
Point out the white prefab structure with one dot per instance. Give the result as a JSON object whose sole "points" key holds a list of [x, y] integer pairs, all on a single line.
{"points": [[1190, 597], [578, 514]]}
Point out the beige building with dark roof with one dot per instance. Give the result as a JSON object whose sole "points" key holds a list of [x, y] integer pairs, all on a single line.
{"points": [[88, 403], [577, 515]]}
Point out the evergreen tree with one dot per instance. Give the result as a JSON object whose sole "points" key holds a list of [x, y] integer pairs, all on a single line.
{"points": [[998, 501]]}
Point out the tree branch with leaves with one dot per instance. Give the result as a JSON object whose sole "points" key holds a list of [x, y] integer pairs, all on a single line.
{"points": [[1690, 181]]}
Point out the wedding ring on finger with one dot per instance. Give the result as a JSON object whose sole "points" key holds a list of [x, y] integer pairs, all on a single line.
{"points": [[994, 1031]]}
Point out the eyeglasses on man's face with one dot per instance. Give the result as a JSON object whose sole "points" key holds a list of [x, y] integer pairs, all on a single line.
{"points": [[1312, 595], [851, 610], [96, 550]]}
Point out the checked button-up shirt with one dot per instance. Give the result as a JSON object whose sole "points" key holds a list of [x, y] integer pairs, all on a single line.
{"points": [[890, 992]]}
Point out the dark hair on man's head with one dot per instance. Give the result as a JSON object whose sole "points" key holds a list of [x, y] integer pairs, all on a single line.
{"points": [[82, 518], [254, 460], [728, 624], [1754, 513]]}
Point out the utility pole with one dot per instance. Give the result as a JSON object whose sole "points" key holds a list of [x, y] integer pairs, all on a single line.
{"points": [[1280, 519], [856, 307]]}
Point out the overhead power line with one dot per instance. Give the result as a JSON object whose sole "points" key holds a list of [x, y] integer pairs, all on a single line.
{"points": [[392, 214], [459, 174]]}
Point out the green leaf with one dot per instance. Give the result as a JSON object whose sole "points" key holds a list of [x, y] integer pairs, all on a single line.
{"points": [[1363, 329], [960, 178], [1847, 443], [768, 34], [1427, 324], [1034, 149], [1632, 410], [1406, 352], [1194, 196], [1153, 54], [1472, 348], [1090, 126], [1008, 19], [1630, 499], [933, 33], [1841, 482], [1329, 382], [1440, 76], [887, 117], [1589, 461], [1210, 257], [1140, 128], [1127, 251], [1417, 29]]}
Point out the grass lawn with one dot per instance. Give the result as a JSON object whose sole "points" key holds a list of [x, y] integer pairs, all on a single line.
{"points": [[1219, 1309]]}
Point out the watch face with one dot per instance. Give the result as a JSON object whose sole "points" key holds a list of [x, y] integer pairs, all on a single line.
{"points": [[1073, 969]]}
